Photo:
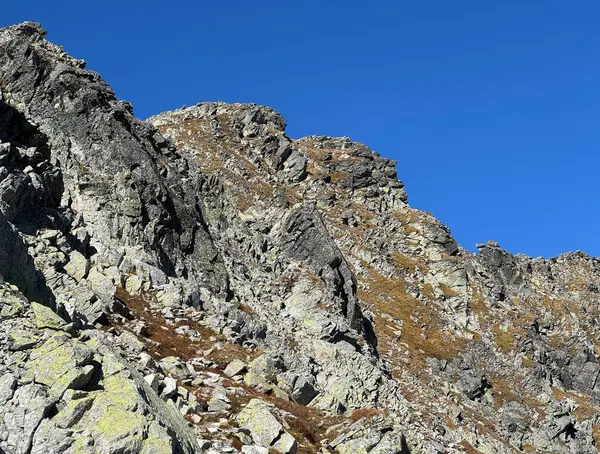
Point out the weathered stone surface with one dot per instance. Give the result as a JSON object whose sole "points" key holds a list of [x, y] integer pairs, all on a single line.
{"points": [[169, 387], [295, 263], [8, 384], [75, 394], [236, 367], [46, 317], [78, 266], [174, 367], [219, 400], [254, 450], [265, 429]]}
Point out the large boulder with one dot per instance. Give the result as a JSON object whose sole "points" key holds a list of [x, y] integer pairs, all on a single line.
{"points": [[265, 429]]}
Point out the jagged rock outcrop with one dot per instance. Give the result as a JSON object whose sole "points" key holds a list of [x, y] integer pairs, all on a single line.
{"points": [[67, 391], [121, 182], [202, 282]]}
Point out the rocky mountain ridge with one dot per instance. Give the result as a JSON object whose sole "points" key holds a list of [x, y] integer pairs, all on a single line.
{"points": [[202, 282]]}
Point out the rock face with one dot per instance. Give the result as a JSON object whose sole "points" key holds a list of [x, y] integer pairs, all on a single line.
{"points": [[68, 391], [117, 178], [202, 282]]}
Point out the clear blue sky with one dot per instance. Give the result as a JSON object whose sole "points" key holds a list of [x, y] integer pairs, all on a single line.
{"points": [[492, 109]]}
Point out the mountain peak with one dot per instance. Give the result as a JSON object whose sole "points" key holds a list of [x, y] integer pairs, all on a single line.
{"points": [[200, 280]]}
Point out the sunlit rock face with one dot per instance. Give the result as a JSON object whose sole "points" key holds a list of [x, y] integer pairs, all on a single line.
{"points": [[201, 282]]}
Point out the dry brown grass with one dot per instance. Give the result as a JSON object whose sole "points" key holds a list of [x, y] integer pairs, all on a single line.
{"points": [[477, 303], [405, 262], [585, 410], [428, 291], [171, 343], [450, 423], [505, 339], [503, 392], [339, 177], [596, 434], [426, 338], [509, 389], [243, 201], [365, 413], [447, 291], [245, 308], [307, 425], [408, 229], [407, 216], [468, 447]]}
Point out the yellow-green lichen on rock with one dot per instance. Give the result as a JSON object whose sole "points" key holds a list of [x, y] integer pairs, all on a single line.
{"points": [[113, 421], [120, 420], [158, 441], [72, 412], [23, 339], [11, 306], [46, 317], [265, 429], [125, 392], [60, 363]]}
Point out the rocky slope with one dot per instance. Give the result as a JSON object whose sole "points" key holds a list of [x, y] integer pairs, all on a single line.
{"points": [[202, 282]]}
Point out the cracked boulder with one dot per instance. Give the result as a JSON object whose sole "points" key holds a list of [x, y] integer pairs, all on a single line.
{"points": [[266, 431]]}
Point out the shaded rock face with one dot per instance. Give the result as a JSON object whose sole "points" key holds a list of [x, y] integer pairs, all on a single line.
{"points": [[308, 241], [119, 175], [170, 285]]}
